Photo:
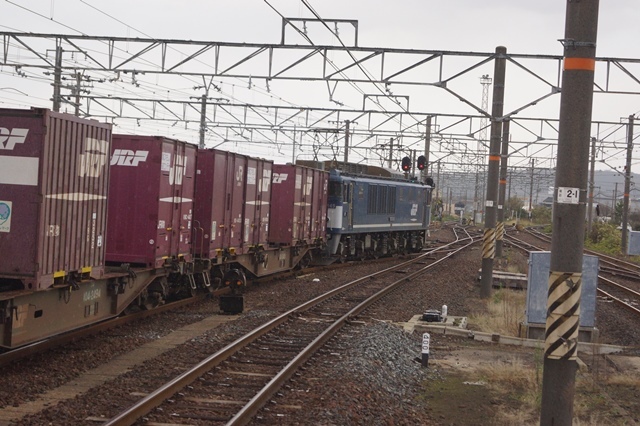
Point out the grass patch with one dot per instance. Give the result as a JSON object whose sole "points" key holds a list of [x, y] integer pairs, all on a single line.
{"points": [[504, 313], [519, 389], [516, 387]]}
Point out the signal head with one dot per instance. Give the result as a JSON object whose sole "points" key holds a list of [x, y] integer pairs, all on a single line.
{"points": [[422, 162], [406, 164]]}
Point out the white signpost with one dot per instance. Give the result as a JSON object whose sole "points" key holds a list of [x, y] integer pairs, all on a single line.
{"points": [[425, 349]]}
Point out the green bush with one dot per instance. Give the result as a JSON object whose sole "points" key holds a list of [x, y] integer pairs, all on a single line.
{"points": [[604, 238]]}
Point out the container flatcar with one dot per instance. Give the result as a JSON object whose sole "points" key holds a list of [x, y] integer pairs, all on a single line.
{"points": [[233, 218]]}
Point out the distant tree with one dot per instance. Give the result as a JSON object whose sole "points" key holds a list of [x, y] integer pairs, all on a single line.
{"points": [[617, 213], [541, 215], [514, 204]]}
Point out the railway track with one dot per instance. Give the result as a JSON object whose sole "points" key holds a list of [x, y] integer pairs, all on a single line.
{"points": [[622, 295], [14, 355], [230, 386], [608, 264], [8, 356]]}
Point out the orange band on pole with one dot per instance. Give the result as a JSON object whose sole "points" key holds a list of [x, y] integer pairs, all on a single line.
{"points": [[503, 181], [494, 158], [586, 64]]}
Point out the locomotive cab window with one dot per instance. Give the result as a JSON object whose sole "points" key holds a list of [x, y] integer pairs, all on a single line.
{"points": [[335, 189]]}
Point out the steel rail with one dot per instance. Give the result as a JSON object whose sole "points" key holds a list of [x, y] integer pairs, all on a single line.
{"points": [[155, 398], [600, 278], [14, 355], [631, 267], [245, 415]]}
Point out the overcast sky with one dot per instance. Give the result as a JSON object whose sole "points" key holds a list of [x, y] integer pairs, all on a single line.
{"points": [[531, 27], [466, 25]]}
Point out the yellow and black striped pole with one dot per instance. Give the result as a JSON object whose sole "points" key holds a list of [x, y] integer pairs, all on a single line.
{"points": [[563, 316], [569, 213], [502, 187]]}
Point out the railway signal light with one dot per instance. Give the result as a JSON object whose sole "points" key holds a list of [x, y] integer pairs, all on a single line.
{"points": [[406, 164], [422, 162]]}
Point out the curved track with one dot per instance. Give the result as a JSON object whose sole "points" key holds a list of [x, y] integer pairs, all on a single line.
{"points": [[231, 385], [628, 297]]}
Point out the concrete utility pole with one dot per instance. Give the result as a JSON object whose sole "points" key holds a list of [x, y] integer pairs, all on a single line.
{"points": [[346, 142], [427, 148], [203, 120], [438, 180], [502, 189], [57, 79], [76, 92], [489, 237], [533, 164], [567, 243], [591, 184], [627, 185]]}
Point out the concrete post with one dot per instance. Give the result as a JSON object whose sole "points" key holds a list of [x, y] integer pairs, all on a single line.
{"points": [[491, 204], [567, 243]]}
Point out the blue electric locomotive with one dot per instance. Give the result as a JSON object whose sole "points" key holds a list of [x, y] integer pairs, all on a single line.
{"points": [[369, 217]]}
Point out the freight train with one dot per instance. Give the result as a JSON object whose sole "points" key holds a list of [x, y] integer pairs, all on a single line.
{"points": [[92, 224]]}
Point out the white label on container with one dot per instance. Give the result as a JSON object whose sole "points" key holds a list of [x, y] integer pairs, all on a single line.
{"points": [[309, 186], [568, 195], [214, 230], [53, 231], [99, 240], [161, 224], [19, 170], [10, 137], [266, 180], [6, 209], [426, 338], [280, 177], [93, 161], [165, 166], [251, 175]]}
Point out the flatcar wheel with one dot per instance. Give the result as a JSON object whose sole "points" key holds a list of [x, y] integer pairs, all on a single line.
{"points": [[305, 261], [151, 302]]}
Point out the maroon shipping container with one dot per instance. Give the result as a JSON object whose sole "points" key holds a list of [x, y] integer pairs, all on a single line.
{"points": [[299, 205], [54, 179], [232, 203], [150, 200], [257, 203]]}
